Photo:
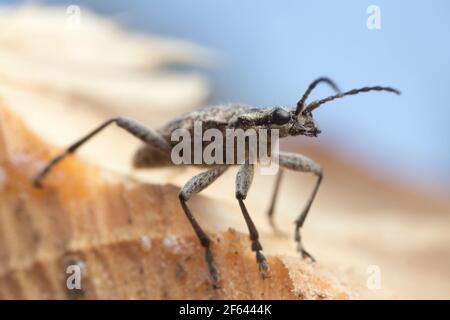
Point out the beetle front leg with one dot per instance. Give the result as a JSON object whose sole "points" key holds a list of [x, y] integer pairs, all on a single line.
{"points": [[244, 179], [138, 130], [298, 162]]}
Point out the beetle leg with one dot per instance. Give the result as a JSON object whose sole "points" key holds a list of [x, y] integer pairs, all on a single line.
{"points": [[145, 134], [193, 186], [244, 179], [298, 162], [273, 202]]}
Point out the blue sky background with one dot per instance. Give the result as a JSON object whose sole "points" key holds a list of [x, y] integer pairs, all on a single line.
{"points": [[271, 50]]}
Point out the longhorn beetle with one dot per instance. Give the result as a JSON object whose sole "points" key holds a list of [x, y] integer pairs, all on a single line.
{"points": [[290, 121]]}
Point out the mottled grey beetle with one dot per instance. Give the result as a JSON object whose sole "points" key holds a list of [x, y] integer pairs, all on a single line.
{"points": [[289, 121]]}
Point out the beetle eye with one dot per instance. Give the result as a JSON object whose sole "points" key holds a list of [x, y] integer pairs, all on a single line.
{"points": [[280, 116]]}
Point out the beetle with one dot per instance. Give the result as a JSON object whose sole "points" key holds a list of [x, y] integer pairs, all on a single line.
{"points": [[289, 121]]}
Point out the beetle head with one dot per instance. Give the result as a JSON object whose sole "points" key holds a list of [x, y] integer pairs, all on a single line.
{"points": [[298, 121], [304, 124]]}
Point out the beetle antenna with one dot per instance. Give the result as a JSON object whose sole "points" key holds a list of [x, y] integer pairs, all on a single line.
{"points": [[301, 102], [315, 104]]}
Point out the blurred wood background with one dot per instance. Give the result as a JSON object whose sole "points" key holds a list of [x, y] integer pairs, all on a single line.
{"points": [[63, 82]]}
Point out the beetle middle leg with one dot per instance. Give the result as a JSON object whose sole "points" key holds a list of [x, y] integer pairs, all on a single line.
{"points": [[193, 186], [298, 162], [244, 179]]}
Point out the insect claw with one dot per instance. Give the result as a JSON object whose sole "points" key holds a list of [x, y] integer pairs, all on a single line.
{"points": [[263, 269], [212, 268], [37, 183], [215, 286], [262, 263], [305, 254]]}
